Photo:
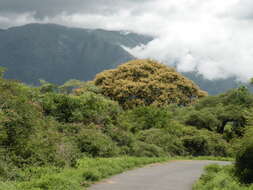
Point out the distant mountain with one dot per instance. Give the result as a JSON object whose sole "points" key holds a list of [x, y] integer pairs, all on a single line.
{"points": [[218, 86], [57, 53]]}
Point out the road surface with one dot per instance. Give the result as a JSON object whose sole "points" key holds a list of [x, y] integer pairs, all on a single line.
{"points": [[175, 175]]}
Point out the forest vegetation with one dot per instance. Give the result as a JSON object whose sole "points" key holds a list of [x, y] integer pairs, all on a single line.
{"points": [[138, 113]]}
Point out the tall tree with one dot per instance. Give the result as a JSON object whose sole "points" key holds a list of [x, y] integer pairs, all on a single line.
{"points": [[147, 82]]}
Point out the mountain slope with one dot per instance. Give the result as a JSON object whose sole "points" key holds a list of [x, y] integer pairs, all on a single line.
{"points": [[214, 87], [57, 53]]}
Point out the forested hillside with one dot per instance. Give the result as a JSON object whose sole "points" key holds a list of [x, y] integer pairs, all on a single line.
{"points": [[51, 129]]}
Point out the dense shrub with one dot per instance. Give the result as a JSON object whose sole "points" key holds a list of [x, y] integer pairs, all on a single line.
{"points": [[88, 87], [87, 108], [204, 143], [244, 160], [240, 96], [8, 171], [215, 113], [94, 143], [125, 140], [142, 149], [219, 178], [26, 136], [203, 119], [21, 120], [170, 144], [143, 118]]}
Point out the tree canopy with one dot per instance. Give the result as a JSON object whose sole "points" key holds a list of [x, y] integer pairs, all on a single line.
{"points": [[147, 82]]}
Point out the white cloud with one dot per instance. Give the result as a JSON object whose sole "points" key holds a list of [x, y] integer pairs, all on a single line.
{"points": [[211, 37], [8, 20]]}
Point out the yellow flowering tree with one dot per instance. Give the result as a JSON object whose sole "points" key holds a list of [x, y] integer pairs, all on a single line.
{"points": [[147, 82]]}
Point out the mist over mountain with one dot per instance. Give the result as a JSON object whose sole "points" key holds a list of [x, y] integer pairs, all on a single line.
{"points": [[57, 53]]}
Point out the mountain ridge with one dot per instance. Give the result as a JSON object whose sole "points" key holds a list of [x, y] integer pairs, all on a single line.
{"points": [[57, 53]]}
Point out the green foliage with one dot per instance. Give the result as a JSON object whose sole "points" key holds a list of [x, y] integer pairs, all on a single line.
{"points": [[48, 127], [142, 149], [147, 82], [88, 87], [143, 118], [96, 144], [87, 108], [219, 178], [20, 117], [215, 113], [70, 85], [244, 160], [170, 143], [27, 137], [125, 140], [2, 70], [46, 87], [240, 96], [203, 119], [205, 143], [7, 169], [87, 171]]}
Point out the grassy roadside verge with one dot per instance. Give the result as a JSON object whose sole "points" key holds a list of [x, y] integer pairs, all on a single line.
{"points": [[213, 158], [219, 178], [88, 171]]}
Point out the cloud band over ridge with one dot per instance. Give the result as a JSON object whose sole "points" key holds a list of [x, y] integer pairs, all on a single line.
{"points": [[212, 37]]}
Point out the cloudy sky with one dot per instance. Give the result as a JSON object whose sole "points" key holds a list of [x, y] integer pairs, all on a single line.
{"points": [[211, 37]]}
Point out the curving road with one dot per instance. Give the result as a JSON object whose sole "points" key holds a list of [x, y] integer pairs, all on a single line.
{"points": [[175, 175]]}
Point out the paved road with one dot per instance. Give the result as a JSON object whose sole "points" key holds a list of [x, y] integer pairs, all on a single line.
{"points": [[175, 175]]}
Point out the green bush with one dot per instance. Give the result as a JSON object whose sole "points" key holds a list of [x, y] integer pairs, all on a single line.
{"points": [[87, 108], [244, 162], [215, 113], [143, 118], [24, 134], [142, 149], [94, 143], [205, 143], [219, 178], [8, 171], [203, 119], [125, 140], [171, 144]]}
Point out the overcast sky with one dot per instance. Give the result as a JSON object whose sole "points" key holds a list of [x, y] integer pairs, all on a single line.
{"points": [[212, 37]]}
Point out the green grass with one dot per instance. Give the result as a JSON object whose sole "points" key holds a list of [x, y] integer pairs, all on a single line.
{"points": [[204, 158], [220, 178], [88, 171]]}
